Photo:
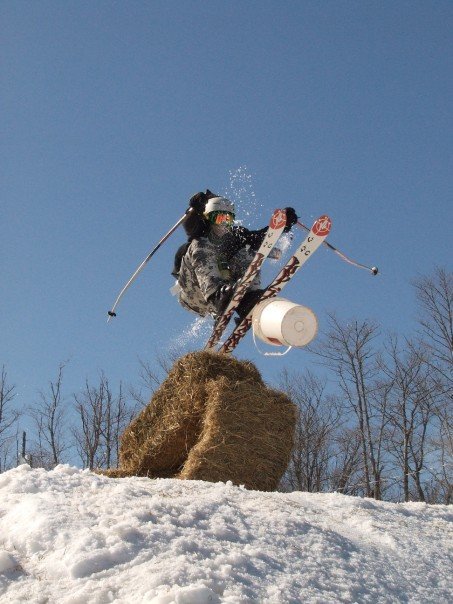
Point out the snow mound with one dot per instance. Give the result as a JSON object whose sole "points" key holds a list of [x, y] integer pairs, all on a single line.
{"points": [[73, 537]]}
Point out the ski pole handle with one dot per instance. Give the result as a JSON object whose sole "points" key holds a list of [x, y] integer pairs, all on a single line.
{"points": [[373, 269], [112, 312]]}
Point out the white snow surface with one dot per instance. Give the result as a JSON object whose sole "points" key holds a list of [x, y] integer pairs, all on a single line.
{"points": [[69, 536]]}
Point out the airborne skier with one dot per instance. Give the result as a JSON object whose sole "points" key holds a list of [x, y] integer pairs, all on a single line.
{"points": [[217, 270], [216, 256]]}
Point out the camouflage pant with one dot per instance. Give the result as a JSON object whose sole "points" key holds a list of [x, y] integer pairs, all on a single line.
{"points": [[200, 274]]}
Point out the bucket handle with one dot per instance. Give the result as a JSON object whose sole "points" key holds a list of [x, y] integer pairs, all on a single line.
{"points": [[269, 354]]}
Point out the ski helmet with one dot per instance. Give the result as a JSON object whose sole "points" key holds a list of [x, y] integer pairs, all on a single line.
{"points": [[219, 204]]}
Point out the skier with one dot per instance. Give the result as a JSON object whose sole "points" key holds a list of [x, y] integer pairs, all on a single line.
{"points": [[216, 255]]}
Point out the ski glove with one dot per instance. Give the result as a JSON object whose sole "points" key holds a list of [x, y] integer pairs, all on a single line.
{"points": [[220, 298], [291, 219], [199, 200], [248, 303]]}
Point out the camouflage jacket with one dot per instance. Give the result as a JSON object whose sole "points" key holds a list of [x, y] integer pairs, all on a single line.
{"points": [[239, 237], [206, 265]]}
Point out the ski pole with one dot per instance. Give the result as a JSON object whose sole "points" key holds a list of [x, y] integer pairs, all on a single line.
{"points": [[373, 269], [112, 312]]}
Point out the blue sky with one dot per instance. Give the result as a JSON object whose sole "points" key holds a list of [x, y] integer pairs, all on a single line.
{"points": [[115, 113]]}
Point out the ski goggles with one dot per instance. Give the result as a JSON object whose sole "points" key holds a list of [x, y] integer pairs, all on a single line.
{"points": [[220, 217]]}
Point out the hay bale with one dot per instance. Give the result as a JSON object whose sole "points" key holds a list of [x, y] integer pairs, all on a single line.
{"points": [[114, 473], [213, 419], [158, 440], [122, 473], [247, 436]]}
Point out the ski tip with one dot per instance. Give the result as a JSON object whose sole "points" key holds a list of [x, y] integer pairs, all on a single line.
{"points": [[322, 226], [278, 220], [374, 270]]}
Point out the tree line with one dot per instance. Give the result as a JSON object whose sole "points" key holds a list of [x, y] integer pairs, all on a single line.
{"points": [[385, 429], [377, 422]]}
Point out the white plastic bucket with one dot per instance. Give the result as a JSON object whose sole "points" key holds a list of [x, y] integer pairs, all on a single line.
{"points": [[279, 322]]}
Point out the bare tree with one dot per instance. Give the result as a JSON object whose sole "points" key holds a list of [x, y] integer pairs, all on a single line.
{"points": [[348, 350], [8, 417], [89, 407], [49, 417], [441, 488], [318, 419], [346, 475], [8, 452], [435, 296], [411, 413], [102, 417], [117, 415]]}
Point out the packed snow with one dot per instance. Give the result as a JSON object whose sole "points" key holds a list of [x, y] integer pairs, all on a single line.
{"points": [[70, 536]]}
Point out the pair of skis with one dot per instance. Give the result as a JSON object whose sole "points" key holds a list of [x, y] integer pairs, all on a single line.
{"points": [[311, 243]]}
